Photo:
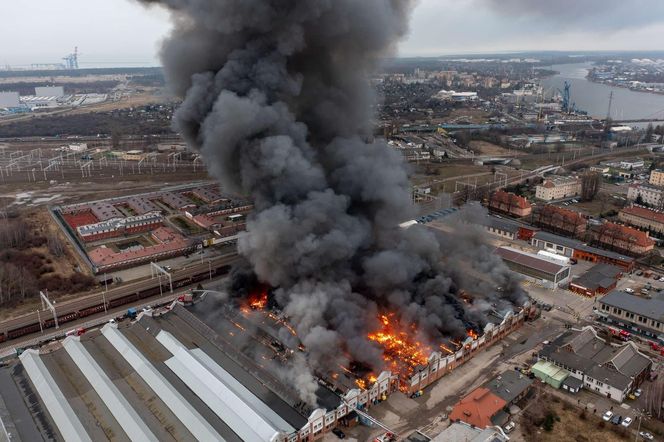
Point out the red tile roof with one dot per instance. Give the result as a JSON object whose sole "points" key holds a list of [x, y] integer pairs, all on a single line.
{"points": [[628, 234], [509, 198], [642, 212], [477, 408]]}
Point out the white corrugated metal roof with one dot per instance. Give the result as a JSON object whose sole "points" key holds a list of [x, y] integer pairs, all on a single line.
{"points": [[184, 411], [242, 418], [131, 423], [63, 415], [243, 392]]}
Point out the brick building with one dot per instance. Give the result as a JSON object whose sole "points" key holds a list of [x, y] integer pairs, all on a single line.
{"points": [[621, 238], [559, 220], [643, 218], [510, 203]]}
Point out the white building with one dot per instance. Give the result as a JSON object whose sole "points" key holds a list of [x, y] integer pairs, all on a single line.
{"points": [[9, 99], [50, 91], [651, 195], [456, 96], [558, 188]]}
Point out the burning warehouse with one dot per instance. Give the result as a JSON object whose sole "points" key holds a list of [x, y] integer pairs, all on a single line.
{"points": [[276, 98]]}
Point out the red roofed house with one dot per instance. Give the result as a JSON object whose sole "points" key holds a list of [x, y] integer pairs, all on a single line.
{"points": [[648, 219], [623, 239], [478, 408], [511, 203]]}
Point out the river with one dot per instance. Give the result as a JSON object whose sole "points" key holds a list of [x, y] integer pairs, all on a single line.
{"points": [[594, 97]]}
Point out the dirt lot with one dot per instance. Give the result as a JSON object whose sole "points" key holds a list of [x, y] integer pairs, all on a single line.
{"points": [[473, 116], [486, 148], [568, 424]]}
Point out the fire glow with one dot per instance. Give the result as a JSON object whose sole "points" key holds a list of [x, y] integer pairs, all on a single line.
{"points": [[258, 298], [401, 350]]}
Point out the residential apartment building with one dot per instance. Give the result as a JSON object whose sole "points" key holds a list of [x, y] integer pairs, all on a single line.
{"points": [[621, 238], [607, 369], [559, 220], [643, 218], [558, 188], [650, 195], [510, 203], [637, 314], [657, 177]]}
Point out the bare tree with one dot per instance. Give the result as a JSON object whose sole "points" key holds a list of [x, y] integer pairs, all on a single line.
{"points": [[590, 185]]}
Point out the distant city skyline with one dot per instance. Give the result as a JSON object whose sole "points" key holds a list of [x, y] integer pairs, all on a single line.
{"points": [[125, 33]]}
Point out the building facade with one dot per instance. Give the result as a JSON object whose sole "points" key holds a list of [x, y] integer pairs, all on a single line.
{"points": [[634, 313], [621, 238], [559, 220], [510, 203], [656, 177], [558, 188], [643, 218], [650, 195], [533, 267]]}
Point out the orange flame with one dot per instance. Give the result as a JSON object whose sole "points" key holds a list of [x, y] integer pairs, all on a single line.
{"points": [[473, 334], [258, 298], [401, 350]]}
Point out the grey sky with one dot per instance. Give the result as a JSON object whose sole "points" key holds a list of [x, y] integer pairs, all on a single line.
{"points": [[121, 32]]}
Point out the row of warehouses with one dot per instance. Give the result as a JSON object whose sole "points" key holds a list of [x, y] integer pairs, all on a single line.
{"points": [[188, 374]]}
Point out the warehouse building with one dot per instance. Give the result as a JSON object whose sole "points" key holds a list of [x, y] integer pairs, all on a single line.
{"points": [[533, 267], [612, 371], [634, 313], [167, 376], [575, 249], [599, 280]]}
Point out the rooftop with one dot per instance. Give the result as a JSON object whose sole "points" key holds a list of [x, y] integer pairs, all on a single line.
{"points": [[529, 260], [582, 350], [598, 276], [642, 212], [509, 385], [650, 308], [165, 376], [478, 408]]}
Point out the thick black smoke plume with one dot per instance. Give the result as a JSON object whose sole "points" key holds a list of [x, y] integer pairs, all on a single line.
{"points": [[276, 98]]}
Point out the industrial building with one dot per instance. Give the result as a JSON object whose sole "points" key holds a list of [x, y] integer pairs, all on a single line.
{"points": [[164, 377], [558, 188], [610, 370], [9, 99], [599, 280], [634, 313], [49, 91], [535, 268], [577, 250]]}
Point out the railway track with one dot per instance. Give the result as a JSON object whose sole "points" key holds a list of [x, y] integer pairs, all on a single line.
{"points": [[115, 297]]}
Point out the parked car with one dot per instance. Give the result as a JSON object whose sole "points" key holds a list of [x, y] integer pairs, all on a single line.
{"points": [[638, 392], [629, 290], [638, 272], [340, 434], [646, 435], [608, 414], [626, 422], [661, 279], [616, 420], [509, 427]]}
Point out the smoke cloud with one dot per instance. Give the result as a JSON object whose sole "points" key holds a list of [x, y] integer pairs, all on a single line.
{"points": [[277, 100]]}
